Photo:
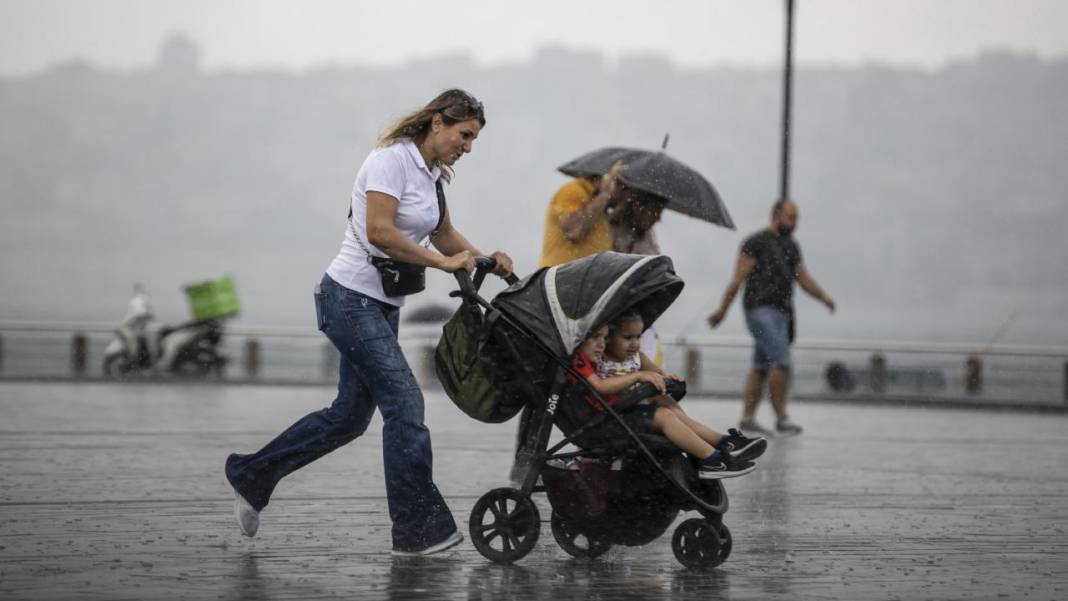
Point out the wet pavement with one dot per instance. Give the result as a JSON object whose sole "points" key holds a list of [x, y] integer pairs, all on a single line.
{"points": [[116, 492]]}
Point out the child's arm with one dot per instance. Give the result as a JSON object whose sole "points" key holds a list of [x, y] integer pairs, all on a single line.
{"points": [[649, 365], [617, 384]]}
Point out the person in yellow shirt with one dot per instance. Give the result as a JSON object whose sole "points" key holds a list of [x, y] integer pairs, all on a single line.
{"points": [[576, 222]]}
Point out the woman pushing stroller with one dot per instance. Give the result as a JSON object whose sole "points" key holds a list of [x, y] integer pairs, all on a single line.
{"points": [[611, 361]]}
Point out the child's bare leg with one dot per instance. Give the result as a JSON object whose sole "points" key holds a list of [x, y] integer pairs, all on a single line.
{"points": [[707, 434], [663, 401], [668, 423]]}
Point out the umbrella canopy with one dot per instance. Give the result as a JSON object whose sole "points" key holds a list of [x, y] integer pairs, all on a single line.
{"points": [[561, 304], [686, 190]]}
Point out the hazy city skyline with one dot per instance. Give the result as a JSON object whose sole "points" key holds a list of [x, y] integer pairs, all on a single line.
{"points": [[933, 203], [125, 34]]}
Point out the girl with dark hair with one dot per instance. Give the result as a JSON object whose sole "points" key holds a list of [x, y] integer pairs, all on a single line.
{"points": [[397, 201]]}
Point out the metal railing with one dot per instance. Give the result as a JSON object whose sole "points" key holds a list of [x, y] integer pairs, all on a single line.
{"points": [[716, 366], [886, 370]]}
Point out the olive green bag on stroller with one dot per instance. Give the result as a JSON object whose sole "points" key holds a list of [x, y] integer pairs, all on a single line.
{"points": [[482, 388]]}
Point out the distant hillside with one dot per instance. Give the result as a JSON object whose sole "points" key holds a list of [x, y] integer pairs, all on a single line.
{"points": [[933, 203]]}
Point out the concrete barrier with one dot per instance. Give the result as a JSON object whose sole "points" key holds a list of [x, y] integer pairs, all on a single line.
{"points": [[973, 375], [252, 358], [79, 354], [693, 370]]}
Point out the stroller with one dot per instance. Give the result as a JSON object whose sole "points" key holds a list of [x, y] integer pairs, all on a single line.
{"points": [[619, 487]]}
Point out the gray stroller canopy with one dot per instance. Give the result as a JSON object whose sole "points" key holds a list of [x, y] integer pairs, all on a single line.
{"points": [[561, 304]]}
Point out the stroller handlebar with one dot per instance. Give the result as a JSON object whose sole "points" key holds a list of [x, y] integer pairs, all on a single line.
{"points": [[469, 285]]}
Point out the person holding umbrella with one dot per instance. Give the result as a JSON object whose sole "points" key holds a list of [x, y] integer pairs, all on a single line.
{"points": [[621, 192], [769, 262]]}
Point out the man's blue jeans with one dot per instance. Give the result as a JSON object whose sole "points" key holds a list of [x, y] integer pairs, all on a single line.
{"points": [[373, 373]]}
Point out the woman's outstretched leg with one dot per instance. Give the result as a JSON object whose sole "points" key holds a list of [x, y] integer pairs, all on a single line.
{"points": [[255, 476]]}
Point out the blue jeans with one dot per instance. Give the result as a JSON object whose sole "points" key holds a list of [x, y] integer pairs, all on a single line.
{"points": [[373, 374], [770, 327]]}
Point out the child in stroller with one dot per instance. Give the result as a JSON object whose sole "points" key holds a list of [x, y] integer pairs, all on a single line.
{"points": [[514, 354], [611, 361]]}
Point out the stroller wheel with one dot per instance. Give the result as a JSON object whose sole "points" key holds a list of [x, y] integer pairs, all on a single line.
{"points": [[697, 544], [575, 543], [504, 525]]}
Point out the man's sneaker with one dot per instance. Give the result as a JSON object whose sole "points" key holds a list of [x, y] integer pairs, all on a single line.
{"points": [[724, 467], [248, 519], [785, 426], [451, 541], [753, 426], [743, 448]]}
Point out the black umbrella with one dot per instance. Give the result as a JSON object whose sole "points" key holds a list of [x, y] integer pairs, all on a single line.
{"points": [[685, 190]]}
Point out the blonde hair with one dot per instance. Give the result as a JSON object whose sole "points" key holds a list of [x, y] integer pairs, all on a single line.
{"points": [[453, 105]]}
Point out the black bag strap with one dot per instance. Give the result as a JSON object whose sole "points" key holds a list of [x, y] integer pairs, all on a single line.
{"points": [[441, 207]]}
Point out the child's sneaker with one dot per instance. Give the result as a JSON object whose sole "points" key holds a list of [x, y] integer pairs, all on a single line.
{"points": [[724, 467], [743, 448], [785, 426]]}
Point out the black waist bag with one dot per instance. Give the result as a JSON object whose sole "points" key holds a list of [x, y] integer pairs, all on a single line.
{"points": [[484, 389], [400, 278]]}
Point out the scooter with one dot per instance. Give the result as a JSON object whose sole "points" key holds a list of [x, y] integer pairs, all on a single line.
{"points": [[190, 349]]}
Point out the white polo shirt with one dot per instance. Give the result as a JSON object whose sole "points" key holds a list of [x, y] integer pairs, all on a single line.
{"points": [[399, 171]]}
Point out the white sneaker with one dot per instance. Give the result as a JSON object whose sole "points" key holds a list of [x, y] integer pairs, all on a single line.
{"points": [[248, 519], [451, 541]]}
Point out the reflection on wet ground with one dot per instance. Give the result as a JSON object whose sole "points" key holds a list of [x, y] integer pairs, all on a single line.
{"points": [[112, 492]]}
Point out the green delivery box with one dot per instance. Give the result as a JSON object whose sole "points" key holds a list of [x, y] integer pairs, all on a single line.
{"points": [[213, 299]]}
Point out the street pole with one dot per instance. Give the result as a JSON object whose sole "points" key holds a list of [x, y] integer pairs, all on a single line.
{"points": [[787, 102]]}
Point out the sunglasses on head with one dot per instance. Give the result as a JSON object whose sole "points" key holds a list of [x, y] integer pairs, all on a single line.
{"points": [[465, 100]]}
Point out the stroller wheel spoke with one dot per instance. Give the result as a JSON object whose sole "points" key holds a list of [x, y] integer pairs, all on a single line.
{"points": [[497, 515]]}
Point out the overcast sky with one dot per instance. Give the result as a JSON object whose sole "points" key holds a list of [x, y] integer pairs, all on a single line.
{"points": [[295, 35]]}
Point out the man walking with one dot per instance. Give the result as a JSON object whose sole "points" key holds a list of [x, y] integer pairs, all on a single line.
{"points": [[769, 262]]}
